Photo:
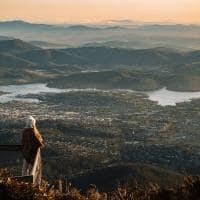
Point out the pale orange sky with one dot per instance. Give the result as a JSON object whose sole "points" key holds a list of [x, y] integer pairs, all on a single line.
{"points": [[64, 11]]}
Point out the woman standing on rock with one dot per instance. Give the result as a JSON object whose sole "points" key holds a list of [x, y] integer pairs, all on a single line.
{"points": [[31, 144]]}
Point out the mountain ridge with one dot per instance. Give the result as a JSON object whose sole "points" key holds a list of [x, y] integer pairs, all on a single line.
{"points": [[179, 67], [14, 46], [108, 178]]}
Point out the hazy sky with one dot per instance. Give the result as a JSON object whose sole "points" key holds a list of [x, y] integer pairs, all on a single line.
{"points": [[61, 11]]}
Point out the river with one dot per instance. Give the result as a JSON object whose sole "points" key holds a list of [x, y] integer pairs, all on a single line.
{"points": [[17, 92]]}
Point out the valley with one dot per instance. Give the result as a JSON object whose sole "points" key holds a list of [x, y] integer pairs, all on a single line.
{"points": [[89, 130], [112, 103], [141, 70]]}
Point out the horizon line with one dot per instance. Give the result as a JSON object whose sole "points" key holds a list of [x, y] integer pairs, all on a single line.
{"points": [[104, 22]]}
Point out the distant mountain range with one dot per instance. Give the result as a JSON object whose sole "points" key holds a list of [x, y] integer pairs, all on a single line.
{"points": [[101, 56], [5, 38], [93, 56], [15, 46], [137, 36], [25, 25], [48, 45], [118, 66]]}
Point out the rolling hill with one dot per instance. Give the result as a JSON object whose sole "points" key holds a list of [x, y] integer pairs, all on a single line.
{"points": [[14, 46], [117, 68], [12, 61], [108, 178], [5, 38], [47, 45], [109, 80], [144, 57], [98, 56]]}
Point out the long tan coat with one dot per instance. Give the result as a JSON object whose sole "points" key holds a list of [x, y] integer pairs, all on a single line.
{"points": [[31, 141]]}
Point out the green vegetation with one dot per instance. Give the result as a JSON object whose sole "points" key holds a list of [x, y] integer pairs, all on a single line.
{"points": [[109, 80], [129, 79]]}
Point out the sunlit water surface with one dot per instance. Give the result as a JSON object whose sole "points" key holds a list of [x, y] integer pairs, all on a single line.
{"points": [[18, 92]]}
